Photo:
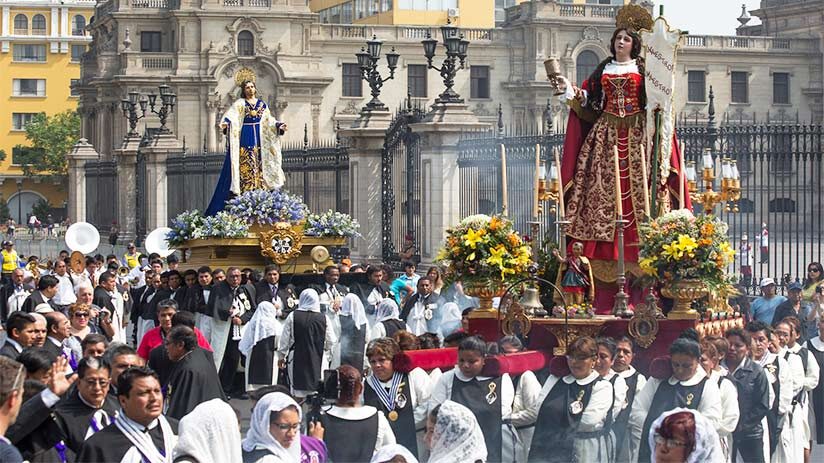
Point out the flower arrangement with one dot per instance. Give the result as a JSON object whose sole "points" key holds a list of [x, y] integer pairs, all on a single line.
{"points": [[222, 225], [331, 223], [264, 207], [679, 246], [584, 310], [185, 227], [484, 249], [192, 225]]}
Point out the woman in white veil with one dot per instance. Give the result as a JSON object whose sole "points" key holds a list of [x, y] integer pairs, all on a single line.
{"points": [[387, 319], [684, 435], [209, 433], [259, 345], [453, 434]]}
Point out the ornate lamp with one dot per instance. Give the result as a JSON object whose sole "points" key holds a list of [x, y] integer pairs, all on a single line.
{"points": [[456, 51], [368, 62]]}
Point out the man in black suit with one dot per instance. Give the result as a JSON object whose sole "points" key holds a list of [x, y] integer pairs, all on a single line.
{"points": [[111, 305], [46, 289], [284, 297], [21, 333], [58, 329], [331, 292], [422, 310], [373, 291], [13, 294]]}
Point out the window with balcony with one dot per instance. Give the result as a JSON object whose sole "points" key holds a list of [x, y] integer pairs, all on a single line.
{"points": [[150, 42], [781, 88], [29, 87], [585, 64], [347, 13], [739, 81], [21, 25], [29, 53], [20, 120], [77, 53], [245, 44], [696, 86], [416, 80], [352, 84], [79, 25], [479, 82], [38, 25]]}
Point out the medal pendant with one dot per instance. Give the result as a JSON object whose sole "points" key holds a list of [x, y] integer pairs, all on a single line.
{"points": [[291, 303], [427, 314], [400, 400], [393, 415], [492, 396], [690, 397], [576, 407]]}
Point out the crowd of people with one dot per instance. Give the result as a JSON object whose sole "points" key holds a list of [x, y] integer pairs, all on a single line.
{"points": [[134, 359]]}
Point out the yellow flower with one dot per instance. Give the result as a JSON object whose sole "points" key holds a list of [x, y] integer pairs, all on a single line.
{"points": [[646, 265], [472, 237], [707, 229], [497, 257], [495, 224], [727, 251], [523, 257], [514, 240], [685, 245]]}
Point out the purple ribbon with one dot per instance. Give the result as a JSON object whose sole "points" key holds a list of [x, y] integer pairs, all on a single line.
{"points": [[61, 450]]}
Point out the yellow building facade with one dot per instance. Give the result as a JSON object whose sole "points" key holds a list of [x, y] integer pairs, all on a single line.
{"points": [[41, 44]]}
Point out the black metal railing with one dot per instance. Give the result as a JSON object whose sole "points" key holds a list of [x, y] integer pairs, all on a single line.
{"points": [[101, 193]]}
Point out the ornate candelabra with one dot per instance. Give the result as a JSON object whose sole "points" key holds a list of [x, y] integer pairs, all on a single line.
{"points": [[368, 62], [621, 306], [129, 107], [730, 183], [456, 47], [548, 190], [168, 101]]}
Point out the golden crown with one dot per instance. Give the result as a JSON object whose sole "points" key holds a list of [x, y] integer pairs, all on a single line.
{"points": [[633, 17], [243, 75]]}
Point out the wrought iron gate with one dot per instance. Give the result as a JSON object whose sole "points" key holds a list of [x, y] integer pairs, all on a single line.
{"points": [[401, 186]]}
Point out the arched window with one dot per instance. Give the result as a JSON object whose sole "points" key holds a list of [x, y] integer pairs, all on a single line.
{"points": [[245, 44], [38, 25], [586, 63], [21, 25], [78, 25]]}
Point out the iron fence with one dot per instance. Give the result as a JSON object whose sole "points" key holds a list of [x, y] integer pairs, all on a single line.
{"points": [[101, 194]]}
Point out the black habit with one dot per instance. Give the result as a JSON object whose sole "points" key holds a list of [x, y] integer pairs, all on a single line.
{"points": [[193, 381]]}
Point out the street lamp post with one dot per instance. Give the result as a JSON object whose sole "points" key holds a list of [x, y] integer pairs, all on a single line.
{"points": [[368, 62], [456, 46], [168, 100], [19, 201]]}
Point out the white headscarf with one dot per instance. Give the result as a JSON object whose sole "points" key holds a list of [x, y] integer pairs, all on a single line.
{"points": [[210, 432], [258, 435], [457, 436], [309, 301], [264, 324], [451, 318], [707, 445], [387, 310], [388, 452], [353, 307]]}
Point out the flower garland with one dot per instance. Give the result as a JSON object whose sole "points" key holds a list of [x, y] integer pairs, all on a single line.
{"points": [[331, 223], [264, 207]]}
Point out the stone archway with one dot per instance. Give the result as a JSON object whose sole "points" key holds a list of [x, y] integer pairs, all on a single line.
{"points": [[21, 203]]}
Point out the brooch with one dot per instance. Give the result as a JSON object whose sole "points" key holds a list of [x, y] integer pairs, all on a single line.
{"points": [[577, 406], [492, 396]]}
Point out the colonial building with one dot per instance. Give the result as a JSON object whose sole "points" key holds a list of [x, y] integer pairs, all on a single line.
{"points": [[309, 74], [41, 44]]}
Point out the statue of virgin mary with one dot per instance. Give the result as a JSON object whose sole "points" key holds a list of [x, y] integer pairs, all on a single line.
{"points": [[253, 155]]}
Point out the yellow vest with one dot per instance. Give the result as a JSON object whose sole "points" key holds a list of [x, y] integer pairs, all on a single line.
{"points": [[132, 261], [9, 261]]}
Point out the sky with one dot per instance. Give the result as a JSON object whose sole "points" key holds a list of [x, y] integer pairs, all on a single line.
{"points": [[706, 17]]}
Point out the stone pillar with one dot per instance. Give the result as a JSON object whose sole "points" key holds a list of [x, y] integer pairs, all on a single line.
{"points": [[126, 158], [211, 114], [77, 158], [161, 147], [366, 137], [440, 176]]}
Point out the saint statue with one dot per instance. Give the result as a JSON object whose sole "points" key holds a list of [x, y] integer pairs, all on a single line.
{"points": [[609, 111], [253, 155], [575, 276]]}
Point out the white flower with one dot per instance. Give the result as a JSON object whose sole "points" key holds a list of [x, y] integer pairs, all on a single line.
{"points": [[677, 215], [477, 220]]}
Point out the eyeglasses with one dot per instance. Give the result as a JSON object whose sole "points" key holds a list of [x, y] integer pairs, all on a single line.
{"points": [[669, 443], [287, 427], [81, 314], [96, 382], [813, 270]]}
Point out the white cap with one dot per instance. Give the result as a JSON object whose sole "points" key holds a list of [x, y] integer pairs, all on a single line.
{"points": [[766, 282], [43, 307]]}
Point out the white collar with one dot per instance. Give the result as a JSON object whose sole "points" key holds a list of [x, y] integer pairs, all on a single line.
{"points": [[695, 379], [626, 374], [593, 375], [352, 413], [459, 374], [767, 359], [86, 402], [122, 416], [795, 349], [45, 299], [817, 343], [55, 341], [15, 344], [610, 374], [740, 365]]}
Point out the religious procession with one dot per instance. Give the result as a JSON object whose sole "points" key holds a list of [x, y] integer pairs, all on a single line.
{"points": [[603, 314]]}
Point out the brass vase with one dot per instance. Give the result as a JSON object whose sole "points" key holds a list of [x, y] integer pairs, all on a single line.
{"points": [[683, 293], [484, 291]]}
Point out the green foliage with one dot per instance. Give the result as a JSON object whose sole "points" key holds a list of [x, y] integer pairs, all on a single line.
{"points": [[50, 138], [41, 209], [4, 210]]}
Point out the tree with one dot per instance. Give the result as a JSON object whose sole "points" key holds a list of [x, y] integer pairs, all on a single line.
{"points": [[51, 138], [4, 210], [41, 209]]}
